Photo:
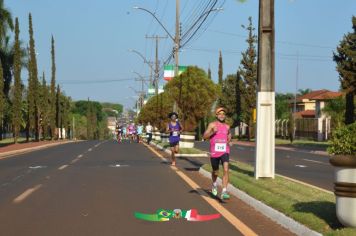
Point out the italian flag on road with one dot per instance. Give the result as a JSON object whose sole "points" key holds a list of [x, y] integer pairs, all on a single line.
{"points": [[169, 71]]}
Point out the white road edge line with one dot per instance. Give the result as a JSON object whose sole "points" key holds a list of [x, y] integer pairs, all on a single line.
{"points": [[319, 162], [26, 194]]}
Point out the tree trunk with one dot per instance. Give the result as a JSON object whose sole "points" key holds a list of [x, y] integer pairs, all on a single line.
{"points": [[350, 108]]}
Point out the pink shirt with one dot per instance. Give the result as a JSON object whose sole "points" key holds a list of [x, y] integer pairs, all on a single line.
{"points": [[219, 141]]}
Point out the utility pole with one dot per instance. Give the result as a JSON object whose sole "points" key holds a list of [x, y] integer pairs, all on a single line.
{"points": [[176, 48], [157, 38], [265, 138], [177, 40], [295, 94]]}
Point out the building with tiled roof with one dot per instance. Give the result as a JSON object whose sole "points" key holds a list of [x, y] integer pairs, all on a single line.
{"points": [[311, 104]]}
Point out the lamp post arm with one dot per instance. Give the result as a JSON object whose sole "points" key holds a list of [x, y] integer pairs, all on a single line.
{"points": [[154, 16]]}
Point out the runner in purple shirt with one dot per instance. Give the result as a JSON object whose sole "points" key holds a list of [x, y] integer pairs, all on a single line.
{"points": [[174, 129]]}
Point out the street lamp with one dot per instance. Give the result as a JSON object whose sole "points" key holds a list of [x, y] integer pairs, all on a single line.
{"points": [[144, 58], [175, 39], [144, 61]]}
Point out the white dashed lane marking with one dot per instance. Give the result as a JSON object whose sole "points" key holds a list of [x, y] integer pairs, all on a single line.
{"points": [[319, 162], [26, 194], [63, 167], [301, 166]]}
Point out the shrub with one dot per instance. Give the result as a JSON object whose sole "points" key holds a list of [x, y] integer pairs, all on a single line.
{"points": [[343, 141]]}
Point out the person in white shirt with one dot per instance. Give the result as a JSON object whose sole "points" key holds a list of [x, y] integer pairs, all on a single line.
{"points": [[149, 132]]}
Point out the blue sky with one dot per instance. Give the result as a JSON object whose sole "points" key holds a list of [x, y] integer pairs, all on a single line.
{"points": [[93, 37]]}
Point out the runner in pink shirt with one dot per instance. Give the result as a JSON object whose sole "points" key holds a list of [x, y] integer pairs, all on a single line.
{"points": [[219, 134]]}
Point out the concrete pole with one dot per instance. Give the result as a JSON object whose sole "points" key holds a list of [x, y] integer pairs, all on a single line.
{"points": [[176, 49], [265, 135], [177, 39], [156, 61]]}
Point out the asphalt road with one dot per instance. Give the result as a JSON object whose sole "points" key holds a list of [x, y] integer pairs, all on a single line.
{"points": [[94, 188], [310, 168]]}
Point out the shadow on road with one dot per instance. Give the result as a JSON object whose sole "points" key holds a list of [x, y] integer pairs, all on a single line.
{"points": [[246, 172]]}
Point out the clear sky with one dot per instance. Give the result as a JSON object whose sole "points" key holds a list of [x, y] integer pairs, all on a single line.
{"points": [[93, 38]]}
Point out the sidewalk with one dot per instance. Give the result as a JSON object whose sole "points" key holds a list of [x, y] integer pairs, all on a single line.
{"points": [[19, 148]]}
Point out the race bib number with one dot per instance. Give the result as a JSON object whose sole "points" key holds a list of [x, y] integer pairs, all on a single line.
{"points": [[220, 147], [175, 133]]}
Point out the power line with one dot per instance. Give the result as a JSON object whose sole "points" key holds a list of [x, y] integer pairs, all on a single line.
{"points": [[96, 81], [281, 42]]}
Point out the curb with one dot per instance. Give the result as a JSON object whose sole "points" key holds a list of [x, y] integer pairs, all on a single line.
{"points": [[166, 150], [323, 153], [27, 150], [276, 216]]}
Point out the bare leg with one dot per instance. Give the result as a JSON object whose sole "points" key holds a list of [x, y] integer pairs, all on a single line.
{"points": [[173, 156], [214, 175], [226, 175]]}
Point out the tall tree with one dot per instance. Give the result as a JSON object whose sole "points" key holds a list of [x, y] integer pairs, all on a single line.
{"points": [[44, 107], [209, 72], [248, 71], [6, 51], [220, 72], [33, 87], [17, 99], [239, 97], [346, 67], [58, 112], [53, 117], [2, 100]]}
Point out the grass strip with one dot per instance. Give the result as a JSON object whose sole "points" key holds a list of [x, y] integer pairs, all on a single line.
{"points": [[302, 143], [308, 206], [190, 151]]}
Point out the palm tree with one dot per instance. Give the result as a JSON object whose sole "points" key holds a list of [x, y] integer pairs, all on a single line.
{"points": [[6, 22]]}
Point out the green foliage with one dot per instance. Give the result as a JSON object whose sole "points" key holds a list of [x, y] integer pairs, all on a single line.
{"points": [[194, 94], [335, 108], [248, 72], [291, 127], [33, 85], [346, 67], [6, 22], [282, 105], [232, 98], [81, 107], [44, 107], [114, 106], [52, 114], [156, 110], [302, 92], [80, 129], [343, 141], [2, 96], [17, 100]]}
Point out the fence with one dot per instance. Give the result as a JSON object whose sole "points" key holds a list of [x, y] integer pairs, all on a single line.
{"points": [[307, 128]]}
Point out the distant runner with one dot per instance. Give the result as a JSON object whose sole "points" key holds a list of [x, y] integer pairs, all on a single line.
{"points": [[174, 129], [219, 134], [139, 132], [119, 133], [149, 132], [132, 132]]}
